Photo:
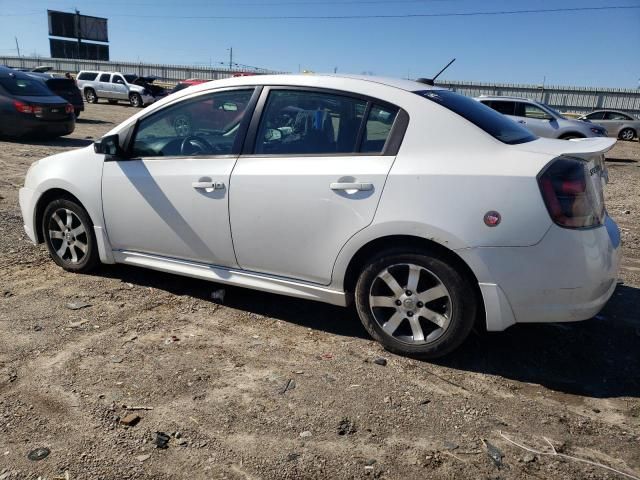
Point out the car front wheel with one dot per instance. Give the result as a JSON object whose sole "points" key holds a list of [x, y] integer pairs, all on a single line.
{"points": [[90, 96], [68, 233], [136, 100], [627, 134], [415, 304]]}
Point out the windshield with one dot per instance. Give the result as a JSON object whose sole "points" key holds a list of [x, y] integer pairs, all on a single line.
{"points": [[24, 87], [492, 122], [130, 78], [557, 113]]}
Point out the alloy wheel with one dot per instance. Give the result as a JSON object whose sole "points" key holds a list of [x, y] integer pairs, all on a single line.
{"points": [[410, 303], [627, 134], [68, 236]]}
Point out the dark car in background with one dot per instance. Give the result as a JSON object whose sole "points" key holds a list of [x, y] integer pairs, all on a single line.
{"points": [[63, 87], [28, 107]]}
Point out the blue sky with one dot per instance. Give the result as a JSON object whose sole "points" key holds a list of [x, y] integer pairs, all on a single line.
{"points": [[589, 48]]}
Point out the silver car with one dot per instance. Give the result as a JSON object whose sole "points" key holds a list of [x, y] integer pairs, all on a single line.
{"points": [[619, 124], [114, 86], [541, 119]]}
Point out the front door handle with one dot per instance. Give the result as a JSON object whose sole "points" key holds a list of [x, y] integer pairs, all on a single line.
{"points": [[522, 121], [351, 186], [208, 185]]}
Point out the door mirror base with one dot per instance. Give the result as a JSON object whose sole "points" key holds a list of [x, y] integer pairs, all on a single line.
{"points": [[109, 146]]}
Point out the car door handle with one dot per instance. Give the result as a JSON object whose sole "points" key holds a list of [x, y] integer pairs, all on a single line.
{"points": [[213, 185], [521, 121], [351, 186]]}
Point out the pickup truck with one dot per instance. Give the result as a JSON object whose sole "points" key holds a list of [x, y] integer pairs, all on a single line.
{"points": [[115, 86]]}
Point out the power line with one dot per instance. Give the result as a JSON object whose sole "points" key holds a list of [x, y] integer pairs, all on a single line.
{"points": [[408, 15]]}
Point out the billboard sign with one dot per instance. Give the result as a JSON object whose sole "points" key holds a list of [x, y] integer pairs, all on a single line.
{"points": [[71, 25], [87, 51]]}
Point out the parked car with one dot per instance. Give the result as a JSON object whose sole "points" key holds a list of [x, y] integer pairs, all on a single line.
{"points": [[541, 119], [188, 83], [621, 125], [28, 107], [114, 87], [63, 87], [424, 207]]}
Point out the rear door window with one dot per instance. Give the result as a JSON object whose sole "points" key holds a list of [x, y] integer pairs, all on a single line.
{"points": [[307, 122], [504, 107], [596, 116], [615, 116], [378, 128], [105, 77]]}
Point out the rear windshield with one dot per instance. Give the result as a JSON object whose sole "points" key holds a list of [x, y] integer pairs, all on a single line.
{"points": [[25, 87], [492, 122]]}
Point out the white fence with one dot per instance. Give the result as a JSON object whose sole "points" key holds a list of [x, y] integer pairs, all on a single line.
{"points": [[566, 99]]}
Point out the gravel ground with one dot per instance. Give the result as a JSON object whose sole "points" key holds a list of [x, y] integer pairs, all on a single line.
{"points": [[269, 387]]}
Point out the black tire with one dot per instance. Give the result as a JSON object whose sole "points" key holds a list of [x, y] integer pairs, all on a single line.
{"points": [[459, 309], [135, 100], [627, 134], [77, 112], [569, 136], [112, 102], [74, 240], [90, 95]]}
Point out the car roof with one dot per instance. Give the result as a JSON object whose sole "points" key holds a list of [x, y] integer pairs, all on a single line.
{"points": [[6, 72], [611, 110], [315, 80], [505, 97]]}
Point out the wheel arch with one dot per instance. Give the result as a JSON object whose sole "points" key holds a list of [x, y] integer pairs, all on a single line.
{"points": [[572, 134], [373, 247]]}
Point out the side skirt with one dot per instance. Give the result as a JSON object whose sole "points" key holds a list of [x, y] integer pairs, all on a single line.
{"points": [[228, 276]]}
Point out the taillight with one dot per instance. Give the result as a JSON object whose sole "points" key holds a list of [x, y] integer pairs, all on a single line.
{"points": [[573, 193], [68, 108], [22, 107]]}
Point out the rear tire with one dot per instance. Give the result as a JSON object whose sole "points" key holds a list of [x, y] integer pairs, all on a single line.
{"points": [[68, 233], [90, 95], [77, 112], [627, 134], [415, 304], [136, 100]]}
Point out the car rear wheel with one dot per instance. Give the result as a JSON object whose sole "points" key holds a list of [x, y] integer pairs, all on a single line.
{"points": [[136, 100], [90, 95], [627, 134], [415, 304], [77, 112], [68, 233]]}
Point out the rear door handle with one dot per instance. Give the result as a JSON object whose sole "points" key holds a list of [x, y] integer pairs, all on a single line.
{"points": [[351, 186], [521, 121]]}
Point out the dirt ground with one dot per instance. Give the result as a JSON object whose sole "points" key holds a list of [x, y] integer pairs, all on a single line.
{"points": [[268, 387]]}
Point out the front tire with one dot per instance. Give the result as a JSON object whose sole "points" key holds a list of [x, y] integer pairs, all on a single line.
{"points": [[68, 233], [415, 304], [136, 100], [627, 134]]}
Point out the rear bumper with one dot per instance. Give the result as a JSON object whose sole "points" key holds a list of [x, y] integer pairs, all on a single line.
{"points": [[21, 125], [568, 276]]}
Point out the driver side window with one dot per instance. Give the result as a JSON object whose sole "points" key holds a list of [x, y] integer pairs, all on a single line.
{"points": [[205, 125]]}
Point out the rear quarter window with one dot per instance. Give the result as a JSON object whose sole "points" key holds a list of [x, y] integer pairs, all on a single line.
{"points": [[492, 122], [87, 76]]}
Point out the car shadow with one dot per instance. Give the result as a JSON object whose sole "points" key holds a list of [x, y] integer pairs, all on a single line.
{"points": [[597, 358], [91, 121], [54, 142], [621, 160]]}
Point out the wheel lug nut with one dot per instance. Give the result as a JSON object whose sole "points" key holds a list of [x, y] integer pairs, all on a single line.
{"points": [[409, 314], [408, 292], [398, 302], [420, 304]]}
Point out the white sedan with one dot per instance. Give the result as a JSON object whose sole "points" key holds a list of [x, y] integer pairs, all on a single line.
{"points": [[427, 209]]}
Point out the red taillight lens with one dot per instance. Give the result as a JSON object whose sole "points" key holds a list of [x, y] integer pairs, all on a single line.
{"points": [[22, 107], [572, 193], [68, 108]]}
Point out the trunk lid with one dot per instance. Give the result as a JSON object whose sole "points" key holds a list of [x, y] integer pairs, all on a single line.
{"points": [[53, 108]]}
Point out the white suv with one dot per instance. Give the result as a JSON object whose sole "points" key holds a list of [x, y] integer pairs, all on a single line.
{"points": [[426, 208], [114, 87]]}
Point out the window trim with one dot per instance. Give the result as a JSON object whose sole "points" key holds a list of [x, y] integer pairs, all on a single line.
{"points": [[237, 143], [391, 146]]}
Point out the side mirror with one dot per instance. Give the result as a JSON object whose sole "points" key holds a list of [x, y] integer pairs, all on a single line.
{"points": [[109, 145]]}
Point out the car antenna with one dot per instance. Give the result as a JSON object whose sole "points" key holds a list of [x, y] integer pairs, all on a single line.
{"points": [[431, 81]]}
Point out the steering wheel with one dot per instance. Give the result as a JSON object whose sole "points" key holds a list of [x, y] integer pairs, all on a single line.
{"points": [[195, 145]]}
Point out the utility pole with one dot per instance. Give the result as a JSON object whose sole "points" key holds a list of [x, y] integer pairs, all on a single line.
{"points": [[78, 32], [230, 58], [17, 46]]}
